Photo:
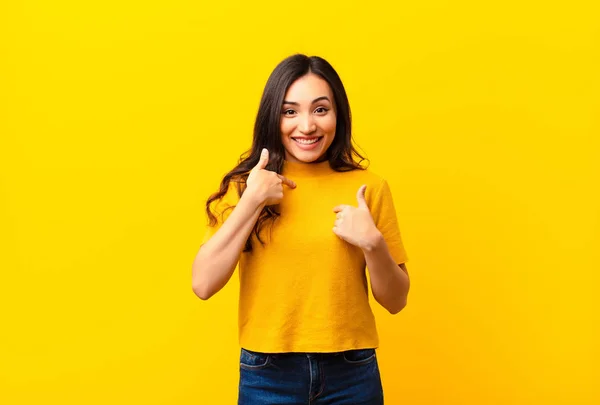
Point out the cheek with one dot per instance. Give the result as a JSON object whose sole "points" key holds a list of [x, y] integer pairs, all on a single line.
{"points": [[328, 124], [286, 127]]}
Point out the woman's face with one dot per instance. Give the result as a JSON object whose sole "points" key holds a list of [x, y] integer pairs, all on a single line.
{"points": [[308, 119]]}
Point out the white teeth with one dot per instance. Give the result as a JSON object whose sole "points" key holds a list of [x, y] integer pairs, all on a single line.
{"points": [[306, 141]]}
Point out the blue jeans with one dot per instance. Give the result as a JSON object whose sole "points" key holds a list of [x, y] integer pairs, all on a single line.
{"points": [[344, 378]]}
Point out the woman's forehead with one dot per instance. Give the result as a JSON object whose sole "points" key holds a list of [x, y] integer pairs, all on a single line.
{"points": [[308, 88]]}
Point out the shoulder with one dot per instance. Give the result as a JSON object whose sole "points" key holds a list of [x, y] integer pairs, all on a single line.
{"points": [[378, 193], [374, 181]]}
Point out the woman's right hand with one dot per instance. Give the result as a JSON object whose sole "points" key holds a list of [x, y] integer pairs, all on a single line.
{"points": [[264, 185]]}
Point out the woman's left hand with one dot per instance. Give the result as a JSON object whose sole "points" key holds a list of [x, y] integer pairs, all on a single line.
{"points": [[355, 225]]}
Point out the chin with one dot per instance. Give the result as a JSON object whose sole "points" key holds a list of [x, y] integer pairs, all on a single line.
{"points": [[309, 157]]}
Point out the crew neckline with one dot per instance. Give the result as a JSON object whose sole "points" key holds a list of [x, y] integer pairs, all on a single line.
{"points": [[299, 169]]}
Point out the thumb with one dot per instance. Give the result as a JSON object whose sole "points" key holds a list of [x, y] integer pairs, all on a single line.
{"points": [[360, 197], [264, 159]]}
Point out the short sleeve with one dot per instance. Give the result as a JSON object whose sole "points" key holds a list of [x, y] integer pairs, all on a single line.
{"points": [[221, 209], [384, 215]]}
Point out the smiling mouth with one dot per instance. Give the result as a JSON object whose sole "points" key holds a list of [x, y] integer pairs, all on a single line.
{"points": [[307, 141]]}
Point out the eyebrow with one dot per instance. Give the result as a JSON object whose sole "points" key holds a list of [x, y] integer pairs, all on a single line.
{"points": [[314, 101]]}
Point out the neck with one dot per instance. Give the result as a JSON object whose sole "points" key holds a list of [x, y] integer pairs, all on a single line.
{"points": [[302, 169]]}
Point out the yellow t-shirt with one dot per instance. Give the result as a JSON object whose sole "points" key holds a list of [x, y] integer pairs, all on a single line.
{"points": [[306, 289]]}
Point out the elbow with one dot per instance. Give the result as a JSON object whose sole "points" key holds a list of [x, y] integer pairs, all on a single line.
{"points": [[397, 308], [200, 286], [392, 306], [201, 291]]}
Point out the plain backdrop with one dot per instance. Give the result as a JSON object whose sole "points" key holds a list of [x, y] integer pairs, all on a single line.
{"points": [[118, 119]]}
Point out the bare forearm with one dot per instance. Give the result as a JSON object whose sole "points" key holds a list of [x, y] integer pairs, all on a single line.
{"points": [[389, 283], [216, 260]]}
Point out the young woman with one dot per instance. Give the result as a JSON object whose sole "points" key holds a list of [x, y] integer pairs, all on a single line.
{"points": [[304, 220]]}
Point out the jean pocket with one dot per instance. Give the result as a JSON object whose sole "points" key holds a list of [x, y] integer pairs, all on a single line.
{"points": [[359, 356], [250, 360]]}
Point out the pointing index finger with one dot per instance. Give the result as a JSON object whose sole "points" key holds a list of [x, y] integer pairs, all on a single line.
{"points": [[286, 181], [339, 208]]}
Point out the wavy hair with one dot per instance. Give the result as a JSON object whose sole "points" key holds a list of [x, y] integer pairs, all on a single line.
{"points": [[267, 134]]}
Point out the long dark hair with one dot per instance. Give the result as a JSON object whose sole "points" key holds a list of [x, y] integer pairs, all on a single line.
{"points": [[267, 134]]}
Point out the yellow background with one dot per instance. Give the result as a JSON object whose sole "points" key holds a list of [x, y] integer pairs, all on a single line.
{"points": [[117, 119]]}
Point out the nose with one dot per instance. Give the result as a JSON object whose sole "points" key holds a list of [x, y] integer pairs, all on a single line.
{"points": [[307, 125]]}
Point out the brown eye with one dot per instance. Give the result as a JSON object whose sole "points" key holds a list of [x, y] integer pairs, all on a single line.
{"points": [[321, 110], [289, 112]]}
